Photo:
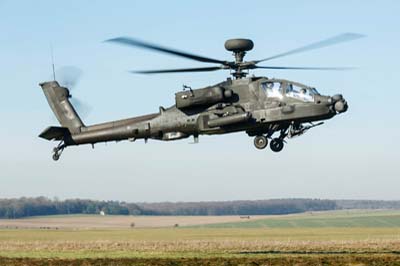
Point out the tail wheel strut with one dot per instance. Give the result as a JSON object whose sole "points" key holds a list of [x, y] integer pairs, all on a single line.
{"points": [[57, 151]]}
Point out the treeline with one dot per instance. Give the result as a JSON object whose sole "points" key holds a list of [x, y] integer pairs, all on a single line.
{"points": [[242, 207], [368, 204], [23, 207]]}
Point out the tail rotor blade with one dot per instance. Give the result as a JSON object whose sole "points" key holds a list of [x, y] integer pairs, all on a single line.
{"points": [[69, 76], [81, 107]]}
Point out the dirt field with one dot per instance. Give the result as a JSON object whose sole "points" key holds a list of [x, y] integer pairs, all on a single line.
{"points": [[355, 218], [198, 242], [339, 239], [117, 221], [297, 260]]}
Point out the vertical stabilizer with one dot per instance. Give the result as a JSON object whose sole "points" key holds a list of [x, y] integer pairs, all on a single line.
{"points": [[58, 99]]}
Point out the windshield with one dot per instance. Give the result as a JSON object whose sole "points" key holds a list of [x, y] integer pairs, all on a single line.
{"points": [[272, 89], [314, 91], [300, 92]]}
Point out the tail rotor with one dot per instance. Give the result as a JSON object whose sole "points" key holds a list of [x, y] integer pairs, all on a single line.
{"points": [[69, 77]]}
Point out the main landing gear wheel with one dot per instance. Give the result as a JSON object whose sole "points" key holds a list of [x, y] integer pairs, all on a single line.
{"points": [[260, 142], [276, 145]]}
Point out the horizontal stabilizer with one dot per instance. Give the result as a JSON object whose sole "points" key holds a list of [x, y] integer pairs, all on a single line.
{"points": [[54, 133]]}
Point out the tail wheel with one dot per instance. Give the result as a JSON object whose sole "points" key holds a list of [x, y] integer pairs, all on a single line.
{"points": [[276, 145], [57, 151], [260, 142]]}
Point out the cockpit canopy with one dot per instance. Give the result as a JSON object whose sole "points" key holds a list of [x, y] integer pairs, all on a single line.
{"points": [[285, 88]]}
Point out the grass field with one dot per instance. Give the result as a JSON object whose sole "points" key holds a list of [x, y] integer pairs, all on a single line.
{"points": [[327, 238], [323, 219]]}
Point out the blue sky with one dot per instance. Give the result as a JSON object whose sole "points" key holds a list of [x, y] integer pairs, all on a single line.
{"points": [[354, 155]]}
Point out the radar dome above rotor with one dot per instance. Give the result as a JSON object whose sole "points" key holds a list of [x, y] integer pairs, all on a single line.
{"points": [[239, 45]]}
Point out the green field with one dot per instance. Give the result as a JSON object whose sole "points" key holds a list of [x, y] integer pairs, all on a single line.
{"points": [[316, 220], [336, 238]]}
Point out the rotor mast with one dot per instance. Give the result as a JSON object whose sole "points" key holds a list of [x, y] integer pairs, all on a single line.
{"points": [[239, 47]]}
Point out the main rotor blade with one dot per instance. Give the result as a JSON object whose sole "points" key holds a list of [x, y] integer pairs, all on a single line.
{"points": [[345, 37], [305, 68], [133, 42], [200, 69]]}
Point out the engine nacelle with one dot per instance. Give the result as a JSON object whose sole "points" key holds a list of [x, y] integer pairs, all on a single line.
{"points": [[202, 97]]}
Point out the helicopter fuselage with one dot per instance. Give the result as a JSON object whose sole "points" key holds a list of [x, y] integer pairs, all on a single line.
{"points": [[257, 105]]}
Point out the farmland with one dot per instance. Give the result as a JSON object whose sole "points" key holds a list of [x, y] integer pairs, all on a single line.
{"points": [[115, 221], [341, 238], [322, 219]]}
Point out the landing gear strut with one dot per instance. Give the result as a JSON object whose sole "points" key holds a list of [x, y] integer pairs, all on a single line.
{"points": [[276, 144], [260, 142], [57, 151], [288, 130]]}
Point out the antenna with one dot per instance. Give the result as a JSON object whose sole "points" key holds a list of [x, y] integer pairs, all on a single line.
{"points": [[52, 62]]}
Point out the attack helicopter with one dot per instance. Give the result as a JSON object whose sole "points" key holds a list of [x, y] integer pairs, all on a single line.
{"points": [[268, 109]]}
